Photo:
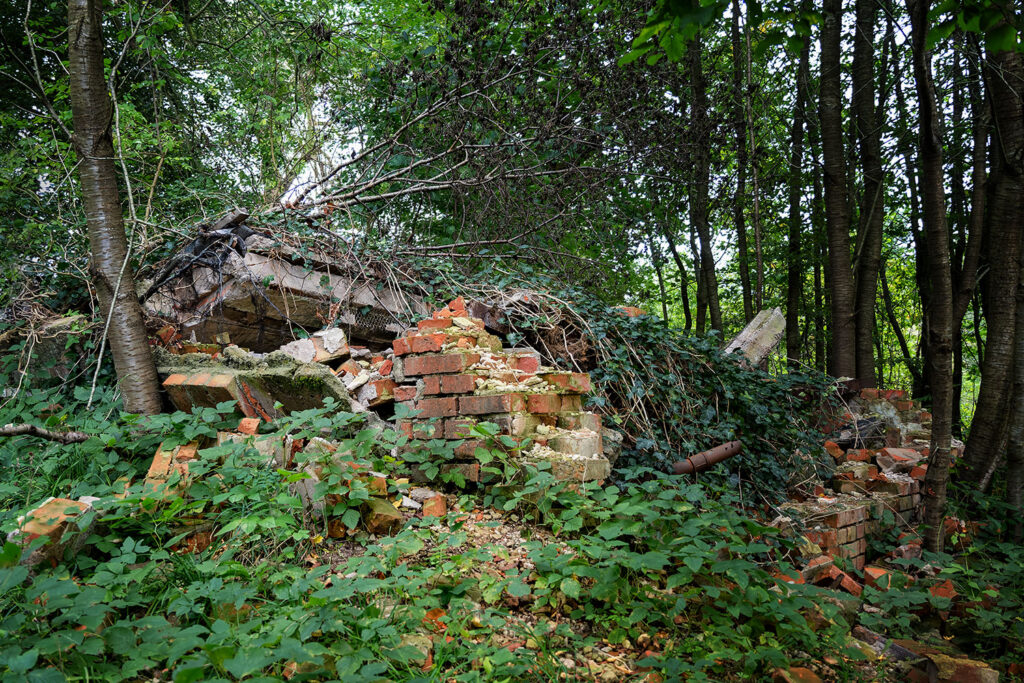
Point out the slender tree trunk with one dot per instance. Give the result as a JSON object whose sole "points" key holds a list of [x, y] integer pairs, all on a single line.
{"points": [[940, 329], [684, 284], [964, 283], [702, 285], [795, 279], [111, 272], [897, 329], [699, 188], [872, 209], [1015, 441], [837, 210], [922, 381], [1004, 78], [739, 122], [656, 257], [821, 354], [754, 174]]}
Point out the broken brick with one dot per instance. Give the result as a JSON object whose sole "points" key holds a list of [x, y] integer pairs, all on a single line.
{"points": [[577, 382], [249, 425], [434, 507], [879, 578], [433, 325]]}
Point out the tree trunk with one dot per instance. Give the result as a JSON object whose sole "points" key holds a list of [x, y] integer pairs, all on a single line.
{"points": [[940, 329], [795, 279], [922, 381], [1015, 442], [739, 122], [754, 173], [872, 209], [684, 284], [897, 329], [702, 285], [1004, 78], [699, 188], [965, 280], [109, 267], [837, 211]]}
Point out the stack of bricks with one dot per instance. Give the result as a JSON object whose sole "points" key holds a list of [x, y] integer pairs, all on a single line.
{"points": [[840, 529], [874, 490], [453, 375]]}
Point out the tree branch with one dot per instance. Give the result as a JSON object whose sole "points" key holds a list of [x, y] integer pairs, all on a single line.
{"points": [[32, 430]]}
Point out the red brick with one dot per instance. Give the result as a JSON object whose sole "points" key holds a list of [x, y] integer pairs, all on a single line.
{"points": [[869, 393], [449, 363], [437, 407], [405, 393], [433, 325], [467, 449], [497, 403], [903, 406], [901, 454], [175, 387], [824, 539], [572, 403], [470, 471], [221, 387], [835, 451], [526, 363], [420, 429], [544, 403], [449, 384], [577, 382], [349, 367], [794, 577], [876, 577], [894, 394], [860, 455], [386, 367], [249, 425], [186, 453], [919, 472], [943, 590], [458, 384], [427, 343], [434, 507], [457, 428], [401, 346]]}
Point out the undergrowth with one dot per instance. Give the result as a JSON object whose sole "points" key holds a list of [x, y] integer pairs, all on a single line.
{"points": [[672, 573]]}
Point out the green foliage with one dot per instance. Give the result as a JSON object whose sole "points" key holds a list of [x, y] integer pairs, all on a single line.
{"points": [[675, 394], [647, 556]]}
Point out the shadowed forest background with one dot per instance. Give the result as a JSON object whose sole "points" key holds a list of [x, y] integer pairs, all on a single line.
{"points": [[857, 164]]}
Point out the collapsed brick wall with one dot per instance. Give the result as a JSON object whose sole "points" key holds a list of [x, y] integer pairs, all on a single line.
{"points": [[874, 490], [453, 375]]}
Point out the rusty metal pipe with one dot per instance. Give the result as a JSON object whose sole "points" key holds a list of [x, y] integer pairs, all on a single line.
{"points": [[702, 461]]}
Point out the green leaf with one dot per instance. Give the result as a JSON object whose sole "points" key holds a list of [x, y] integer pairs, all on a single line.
{"points": [[571, 587], [10, 555], [351, 518]]}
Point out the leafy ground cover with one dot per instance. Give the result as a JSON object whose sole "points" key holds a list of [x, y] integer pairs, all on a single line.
{"points": [[644, 578]]}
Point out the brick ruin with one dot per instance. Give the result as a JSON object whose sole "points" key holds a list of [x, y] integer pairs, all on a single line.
{"points": [[873, 494], [442, 378]]}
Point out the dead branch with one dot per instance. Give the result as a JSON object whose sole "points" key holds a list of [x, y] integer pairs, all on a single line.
{"points": [[48, 434]]}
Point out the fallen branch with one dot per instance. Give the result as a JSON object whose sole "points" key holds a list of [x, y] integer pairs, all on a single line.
{"points": [[50, 435]]}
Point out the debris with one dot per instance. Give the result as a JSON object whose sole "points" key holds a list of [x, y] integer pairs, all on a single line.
{"points": [[260, 290], [61, 521], [705, 459], [760, 336], [380, 516]]}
